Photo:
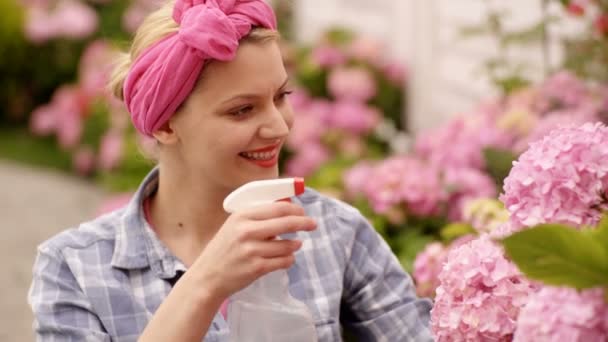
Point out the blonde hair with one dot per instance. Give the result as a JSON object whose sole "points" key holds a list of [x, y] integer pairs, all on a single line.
{"points": [[158, 25]]}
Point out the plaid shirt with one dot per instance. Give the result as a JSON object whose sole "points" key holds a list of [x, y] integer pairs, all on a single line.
{"points": [[104, 280]]}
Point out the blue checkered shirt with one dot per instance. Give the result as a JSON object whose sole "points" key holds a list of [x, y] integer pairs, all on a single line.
{"points": [[103, 280]]}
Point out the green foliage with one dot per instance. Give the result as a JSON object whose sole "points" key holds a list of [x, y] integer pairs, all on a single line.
{"points": [[498, 163], [95, 126], [17, 144], [560, 255], [453, 231], [408, 244]]}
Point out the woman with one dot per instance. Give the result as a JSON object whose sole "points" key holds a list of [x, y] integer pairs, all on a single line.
{"points": [[205, 78]]}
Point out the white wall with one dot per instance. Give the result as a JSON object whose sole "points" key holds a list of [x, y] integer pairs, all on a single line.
{"points": [[446, 76]]}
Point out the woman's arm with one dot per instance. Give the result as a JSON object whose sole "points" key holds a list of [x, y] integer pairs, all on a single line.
{"points": [[380, 303], [186, 313], [61, 310]]}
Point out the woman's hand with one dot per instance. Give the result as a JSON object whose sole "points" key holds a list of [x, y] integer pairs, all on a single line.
{"points": [[245, 247]]}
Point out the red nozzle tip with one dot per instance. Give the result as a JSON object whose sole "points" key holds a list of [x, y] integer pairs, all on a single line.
{"points": [[298, 186]]}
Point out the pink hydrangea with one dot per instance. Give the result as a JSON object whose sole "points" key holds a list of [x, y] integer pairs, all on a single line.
{"points": [[307, 160], [564, 315], [83, 161], [328, 56], [310, 121], [67, 18], [466, 184], [556, 119], [354, 117], [355, 179], [405, 181], [461, 141], [427, 266], [561, 90], [95, 67], [352, 83], [137, 12], [561, 179], [480, 294], [110, 150]]}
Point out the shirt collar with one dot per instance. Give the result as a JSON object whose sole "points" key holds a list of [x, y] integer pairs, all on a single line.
{"points": [[136, 244]]}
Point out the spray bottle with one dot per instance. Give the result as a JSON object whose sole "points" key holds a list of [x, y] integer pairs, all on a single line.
{"points": [[265, 311]]}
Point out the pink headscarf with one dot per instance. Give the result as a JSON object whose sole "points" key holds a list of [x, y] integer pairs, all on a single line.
{"points": [[164, 75]]}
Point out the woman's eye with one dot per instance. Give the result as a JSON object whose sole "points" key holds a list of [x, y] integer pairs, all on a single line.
{"points": [[241, 111], [283, 95]]}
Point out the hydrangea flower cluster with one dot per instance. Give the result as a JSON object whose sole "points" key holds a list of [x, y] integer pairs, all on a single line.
{"points": [[403, 181], [564, 315], [427, 266], [561, 179], [480, 296]]}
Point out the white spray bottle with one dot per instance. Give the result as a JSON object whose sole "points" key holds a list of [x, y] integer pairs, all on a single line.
{"points": [[265, 311]]}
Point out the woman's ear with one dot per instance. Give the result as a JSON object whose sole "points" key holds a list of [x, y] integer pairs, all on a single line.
{"points": [[166, 134]]}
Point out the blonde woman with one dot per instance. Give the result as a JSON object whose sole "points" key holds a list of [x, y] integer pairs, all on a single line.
{"points": [[205, 78]]}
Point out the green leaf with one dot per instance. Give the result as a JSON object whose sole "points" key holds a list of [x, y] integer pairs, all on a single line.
{"points": [[498, 163], [600, 234], [411, 242], [559, 255], [455, 230]]}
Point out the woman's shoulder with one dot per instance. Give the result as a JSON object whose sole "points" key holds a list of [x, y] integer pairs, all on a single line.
{"points": [[86, 235]]}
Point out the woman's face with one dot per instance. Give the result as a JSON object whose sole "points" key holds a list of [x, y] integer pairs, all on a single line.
{"points": [[232, 127]]}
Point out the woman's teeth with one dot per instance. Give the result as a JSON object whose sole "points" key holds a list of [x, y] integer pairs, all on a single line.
{"points": [[259, 155]]}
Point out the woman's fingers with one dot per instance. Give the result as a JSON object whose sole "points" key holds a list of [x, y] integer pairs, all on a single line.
{"points": [[268, 229], [272, 210], [271, 248]]}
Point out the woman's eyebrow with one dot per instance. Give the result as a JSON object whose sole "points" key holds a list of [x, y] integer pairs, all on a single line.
{"points": [[252, 96]]}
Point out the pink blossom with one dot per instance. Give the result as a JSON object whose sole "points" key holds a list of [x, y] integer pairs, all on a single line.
{"points": [[367, 49], [563, 89], [307, 160], [69, 109], [62, 115], [328, 56], [43, 121], [352, 83], [83, 161], [68, 18], [355, 179], [405, 181], [354, 117], [137, 12], [39, 25], [75, 19], [564, 315], [561, 179], [395, 72], [307, 129], [427, 266], [299, 99], [466, 184], [480, 294], [110, 150], [565, 117], [115, 202], [461, 141], [95, 67]]}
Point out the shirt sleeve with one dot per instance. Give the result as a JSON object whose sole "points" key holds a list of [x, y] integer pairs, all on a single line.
{"points": [[380, 302], [61, 310]]}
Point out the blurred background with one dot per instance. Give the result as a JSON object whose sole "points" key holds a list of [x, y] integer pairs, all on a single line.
{"points": [[411, 110]]}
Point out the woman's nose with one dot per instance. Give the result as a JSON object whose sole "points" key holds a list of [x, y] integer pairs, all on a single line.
{"points": [[276, 126]]}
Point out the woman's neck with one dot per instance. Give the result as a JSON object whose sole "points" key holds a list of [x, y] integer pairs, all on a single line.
{"points": [[186, 213]]}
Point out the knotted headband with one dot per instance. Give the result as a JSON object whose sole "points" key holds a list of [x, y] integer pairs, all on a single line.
{"points": [[163, 76]]}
